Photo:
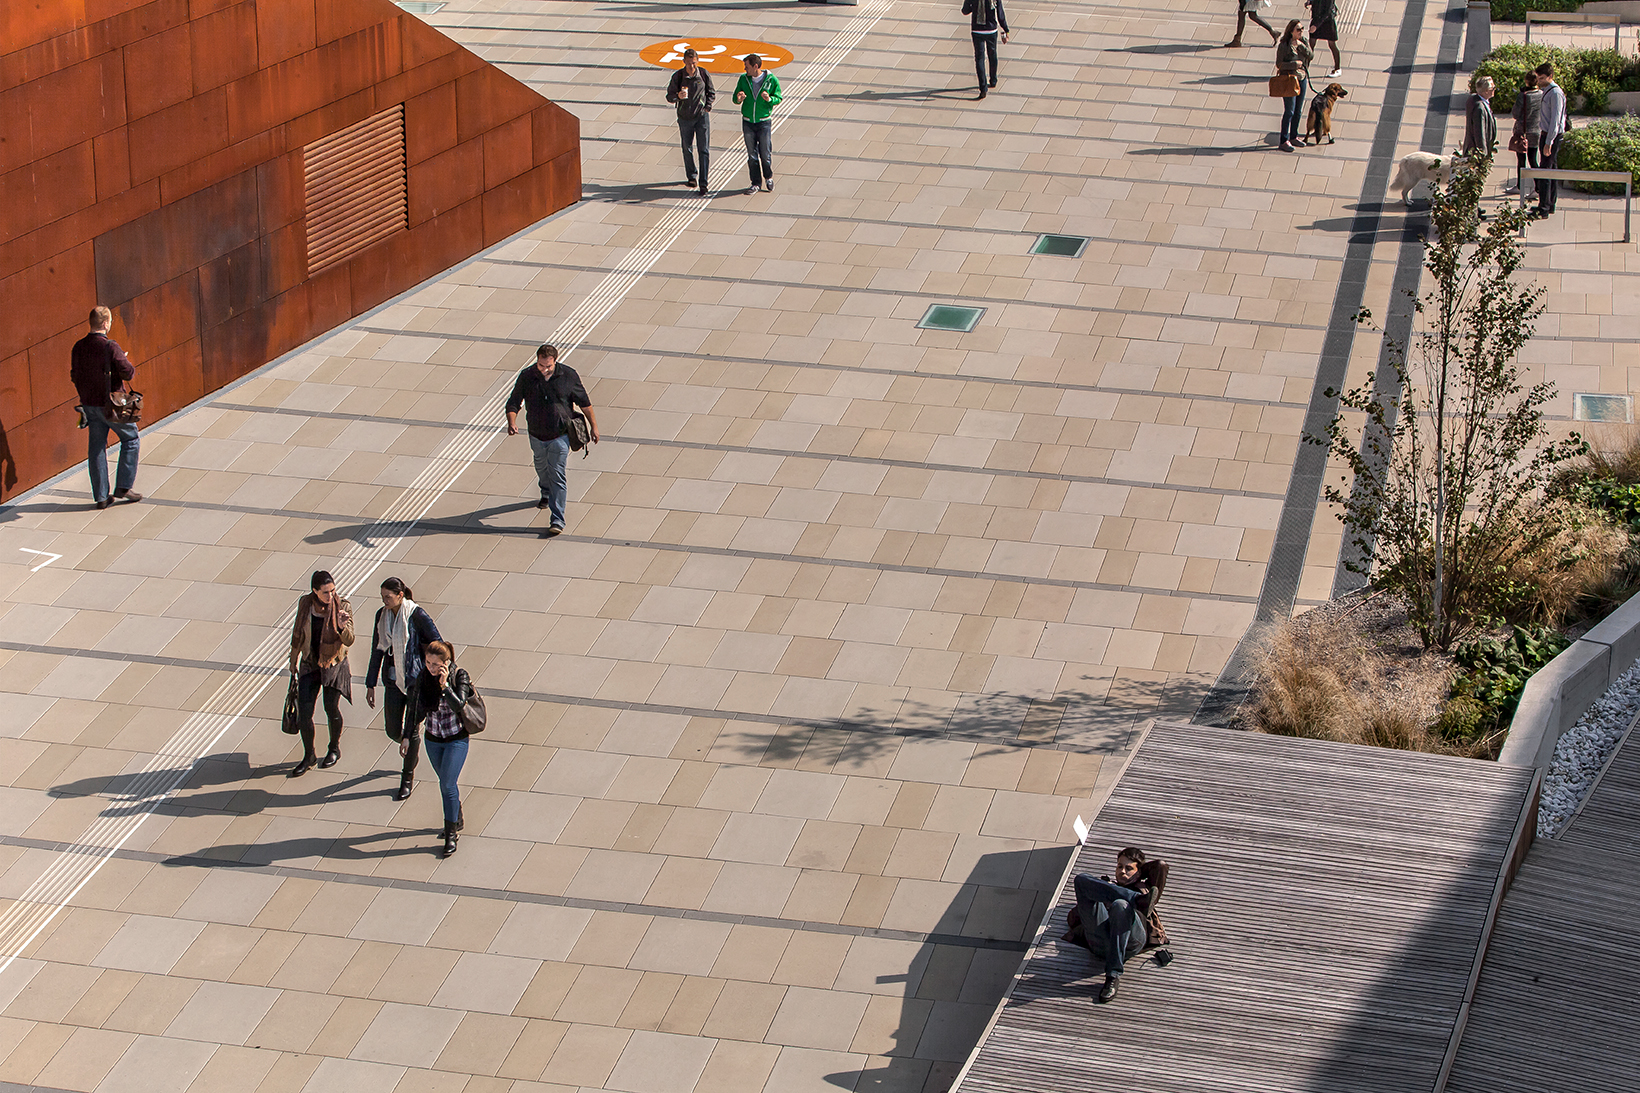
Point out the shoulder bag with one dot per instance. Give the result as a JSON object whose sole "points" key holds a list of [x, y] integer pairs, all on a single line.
{"points": [[1283, 85], [471, 714], [580, 431], [124, 404]]}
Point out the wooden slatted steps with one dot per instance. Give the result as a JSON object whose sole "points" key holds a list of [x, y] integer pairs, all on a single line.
{"points": [[1326, 907], [1557, 1007]]}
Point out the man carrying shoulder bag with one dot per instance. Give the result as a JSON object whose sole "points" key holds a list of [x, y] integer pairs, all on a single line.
{"points": [[101, 372]]}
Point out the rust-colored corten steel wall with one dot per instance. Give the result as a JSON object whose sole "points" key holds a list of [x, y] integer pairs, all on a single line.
{"points": [[151, 160]]}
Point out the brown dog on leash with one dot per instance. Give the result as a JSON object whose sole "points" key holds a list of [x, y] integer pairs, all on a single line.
{"points": [[1321, 111]]}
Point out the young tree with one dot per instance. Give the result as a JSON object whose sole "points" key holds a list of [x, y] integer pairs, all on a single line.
{"points": [[1447, 482]]}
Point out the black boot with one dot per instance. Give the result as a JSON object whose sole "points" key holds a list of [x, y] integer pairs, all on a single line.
{"points": [[461, 817], [407, 782], [1108, 991], [334, 752], [450, 840], [303, 767]]}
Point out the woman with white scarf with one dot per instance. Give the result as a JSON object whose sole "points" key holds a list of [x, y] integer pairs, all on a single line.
{"points": [[402, 631]]}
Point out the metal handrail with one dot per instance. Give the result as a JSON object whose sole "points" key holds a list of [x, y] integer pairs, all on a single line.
{"points": [[1578, 17], [1532, 174]]}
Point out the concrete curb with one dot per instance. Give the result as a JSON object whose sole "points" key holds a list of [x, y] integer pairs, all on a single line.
{"points": [[1559, 692]]}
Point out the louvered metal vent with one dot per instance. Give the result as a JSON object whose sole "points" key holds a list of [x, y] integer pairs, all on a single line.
{"points": [[356, 193]]}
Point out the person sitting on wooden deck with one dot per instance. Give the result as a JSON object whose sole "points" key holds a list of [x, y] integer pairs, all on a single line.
{"points": [[1116, 919]]}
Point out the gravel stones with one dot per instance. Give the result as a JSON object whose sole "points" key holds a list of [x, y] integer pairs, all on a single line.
{"points": [[1582, 752]]}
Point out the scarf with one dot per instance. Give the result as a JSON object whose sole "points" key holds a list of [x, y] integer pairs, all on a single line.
{"points": [[393, 634]]}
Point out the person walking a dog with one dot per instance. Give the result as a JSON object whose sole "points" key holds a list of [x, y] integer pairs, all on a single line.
{"points": [[98, 367], [1324, 28], [986, 20], [692, 93], [1293, 59], [1245, 10]]}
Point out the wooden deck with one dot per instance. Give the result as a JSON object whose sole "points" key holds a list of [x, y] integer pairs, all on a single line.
{"points": [[1558, 1002], [1326, 905]]}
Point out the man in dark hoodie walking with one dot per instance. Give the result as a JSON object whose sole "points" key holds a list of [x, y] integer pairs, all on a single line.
{"points": [[986, 19], [692, 93]]}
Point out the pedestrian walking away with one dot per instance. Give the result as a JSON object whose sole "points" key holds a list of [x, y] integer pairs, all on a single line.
{"points": [[1523, 139], [692, 93], [441, 690], [1324, 28], [550, 393], [1552, 125], [986, 20], [319, 640], [758, 92], [99, 367], [402, 630], [1293, 59], [1245, 10]]}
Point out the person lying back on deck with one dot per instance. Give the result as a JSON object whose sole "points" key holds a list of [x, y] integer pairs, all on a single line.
{"points": [[1112, 913]]}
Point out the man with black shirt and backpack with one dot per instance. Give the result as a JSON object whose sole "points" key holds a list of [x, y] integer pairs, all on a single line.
{"points": [[550, 393], [99, 368], [692, 93]]}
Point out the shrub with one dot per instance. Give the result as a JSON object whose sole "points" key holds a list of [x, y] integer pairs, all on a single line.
{"points": [[1588, 76], [1514, 11], [1605, 144], [1495, 670], [1461, 719], [1571, 576]]}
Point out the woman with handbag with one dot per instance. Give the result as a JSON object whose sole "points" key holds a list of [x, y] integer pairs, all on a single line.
{"points": [[444, 703], [1523, 137], [403, 629], [1245, 10], [319, 641], [1291, 80]]}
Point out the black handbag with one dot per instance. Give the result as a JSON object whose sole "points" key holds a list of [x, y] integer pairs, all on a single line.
{"points": [[289, 723], [124, 404]]}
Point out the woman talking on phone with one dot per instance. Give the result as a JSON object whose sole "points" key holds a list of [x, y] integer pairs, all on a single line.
{"points": [[440, 691]]}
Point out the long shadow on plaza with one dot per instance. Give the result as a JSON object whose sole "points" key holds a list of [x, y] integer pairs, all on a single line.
{"points": [[950, 984], [460, 524], [245, 789]]}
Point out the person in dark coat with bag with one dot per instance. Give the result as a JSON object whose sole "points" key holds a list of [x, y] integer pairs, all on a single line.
{"points": [[402, 630], [1293, 59], [98, 368], [691, 91], [548, 393], [986, 20], [435, 708], [319, 640]]}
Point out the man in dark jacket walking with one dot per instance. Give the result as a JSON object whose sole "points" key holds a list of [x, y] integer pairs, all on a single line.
{"points": [[692, 93], [986, 19], [100, 366], [549, 392]]}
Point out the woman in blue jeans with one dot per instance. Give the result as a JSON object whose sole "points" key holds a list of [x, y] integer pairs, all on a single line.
{"points": [[433, 711], [1293, 59]]}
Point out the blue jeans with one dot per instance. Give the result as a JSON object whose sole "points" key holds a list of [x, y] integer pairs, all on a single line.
{"points": [[446, 758], [696, 133], [1292, 110], [759, 138], [97, 429], [1112, 927], [551, 469]]}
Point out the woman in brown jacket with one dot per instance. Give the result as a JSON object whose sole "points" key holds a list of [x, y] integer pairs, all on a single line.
{"points": [[318, 659]]}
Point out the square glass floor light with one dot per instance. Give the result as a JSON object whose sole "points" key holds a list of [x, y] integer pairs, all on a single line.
{"points": [[420, 7], [950, 317], [1062, 246], [1618, 408]]}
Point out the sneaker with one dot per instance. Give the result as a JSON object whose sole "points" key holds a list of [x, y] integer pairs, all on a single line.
{"points": [[1108, 991], [1286, 146], [753, 188], [768, 185], [1335, 73], [556, 529], [1512, 186]]}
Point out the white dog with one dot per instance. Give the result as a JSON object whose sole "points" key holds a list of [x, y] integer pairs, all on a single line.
{"points": [[1419, 167]]}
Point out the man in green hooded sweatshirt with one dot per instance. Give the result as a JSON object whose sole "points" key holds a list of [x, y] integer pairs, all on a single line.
{"points": [[757, 93]]}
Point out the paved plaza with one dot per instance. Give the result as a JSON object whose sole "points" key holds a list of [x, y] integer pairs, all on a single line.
{"points": [[851, 621]]}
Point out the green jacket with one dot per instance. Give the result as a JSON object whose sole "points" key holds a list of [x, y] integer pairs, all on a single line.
{"points": [[753, 108]]}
